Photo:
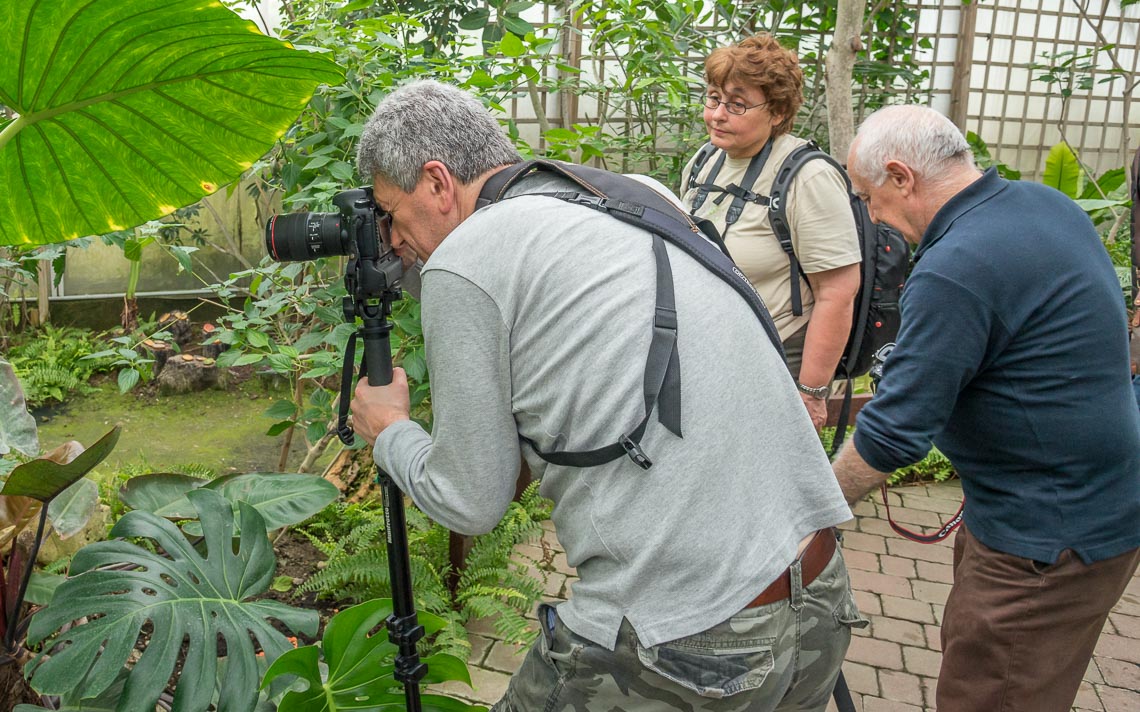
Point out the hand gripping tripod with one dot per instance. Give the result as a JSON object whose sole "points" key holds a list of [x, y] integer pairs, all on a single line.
{"points": [[404, 629]]}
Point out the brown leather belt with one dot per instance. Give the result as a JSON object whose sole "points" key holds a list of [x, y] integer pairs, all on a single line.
{"points": [[812, 562]]}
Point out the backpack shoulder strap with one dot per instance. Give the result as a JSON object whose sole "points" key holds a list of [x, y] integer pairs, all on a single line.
{"points": [[778, 207], [699, 162], [639, 205]]}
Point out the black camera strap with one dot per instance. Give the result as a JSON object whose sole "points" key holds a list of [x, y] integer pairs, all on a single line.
{"points": [[662, 382]]}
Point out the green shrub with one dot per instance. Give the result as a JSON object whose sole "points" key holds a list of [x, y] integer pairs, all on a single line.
{"points": [[51, 363], [492, 584]]}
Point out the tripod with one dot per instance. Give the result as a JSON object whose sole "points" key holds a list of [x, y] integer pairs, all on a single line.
{"points": [[404, 629]]}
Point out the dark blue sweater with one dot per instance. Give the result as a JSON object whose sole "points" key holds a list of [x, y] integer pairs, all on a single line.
{"points": [[1013, 360]]}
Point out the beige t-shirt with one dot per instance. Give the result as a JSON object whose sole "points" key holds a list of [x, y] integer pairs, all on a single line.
{"points": [[819, 215]]}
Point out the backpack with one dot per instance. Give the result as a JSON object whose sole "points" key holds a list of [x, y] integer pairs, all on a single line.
{"points": [[638, 204], [886, 257]]}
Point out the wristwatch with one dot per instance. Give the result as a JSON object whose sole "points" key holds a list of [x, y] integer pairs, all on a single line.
{"points": [[821, 393]]}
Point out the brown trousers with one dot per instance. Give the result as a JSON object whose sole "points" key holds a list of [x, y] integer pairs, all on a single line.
{"points": [[1017, 635]]}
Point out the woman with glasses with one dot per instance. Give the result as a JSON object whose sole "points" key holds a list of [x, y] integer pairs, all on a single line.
{"points": [[754, 90]]}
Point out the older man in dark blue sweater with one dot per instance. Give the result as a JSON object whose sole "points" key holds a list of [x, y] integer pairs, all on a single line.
{"points": [[1013, 360]]}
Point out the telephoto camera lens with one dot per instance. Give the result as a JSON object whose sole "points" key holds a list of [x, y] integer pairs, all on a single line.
{"points": [[305, 236]]}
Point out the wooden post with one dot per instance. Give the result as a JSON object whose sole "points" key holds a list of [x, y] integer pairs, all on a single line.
{"points": [[43, 283], [963, 63]]}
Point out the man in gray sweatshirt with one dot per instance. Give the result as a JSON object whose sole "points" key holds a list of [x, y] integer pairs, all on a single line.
{"points": [[709, 581]]}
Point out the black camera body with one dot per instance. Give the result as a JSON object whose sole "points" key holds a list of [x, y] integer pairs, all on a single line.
{"points": [[372, 276]]}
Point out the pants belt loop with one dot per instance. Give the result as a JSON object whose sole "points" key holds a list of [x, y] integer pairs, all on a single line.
{"points": [[795, 572]]}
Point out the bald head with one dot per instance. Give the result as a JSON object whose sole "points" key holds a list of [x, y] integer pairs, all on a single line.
{"points": [[918, 136]]}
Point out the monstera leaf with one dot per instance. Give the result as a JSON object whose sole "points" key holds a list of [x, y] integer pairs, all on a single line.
{"points": [[17, 426], [360, 667], [180, 596], [280, 498], [128, 109]]}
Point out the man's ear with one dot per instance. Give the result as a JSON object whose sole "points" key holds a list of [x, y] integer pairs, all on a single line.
{"points": [[440, 185], [900, 176]]}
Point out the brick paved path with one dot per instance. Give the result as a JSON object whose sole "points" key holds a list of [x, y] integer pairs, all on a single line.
{"points": [[892, 665]]}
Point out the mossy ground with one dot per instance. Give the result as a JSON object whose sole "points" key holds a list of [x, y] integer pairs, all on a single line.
{"points": [[222, 430]]}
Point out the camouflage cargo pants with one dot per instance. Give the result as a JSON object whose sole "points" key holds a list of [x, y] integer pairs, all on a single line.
{"points": [[783, 656]]}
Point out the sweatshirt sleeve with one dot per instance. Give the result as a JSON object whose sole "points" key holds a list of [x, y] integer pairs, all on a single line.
{"points": [[941, 346], [463, 475]]}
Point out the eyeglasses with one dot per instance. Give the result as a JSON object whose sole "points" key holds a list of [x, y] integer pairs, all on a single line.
{"points": [[736, 108]]}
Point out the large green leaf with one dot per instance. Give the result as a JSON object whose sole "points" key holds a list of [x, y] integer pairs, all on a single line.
{"points": [[359, 665], [72, 509], [280, 498], [182, 595], [128, 109], [1062, 170], [17, 426], [44, 478], [163, 493]]}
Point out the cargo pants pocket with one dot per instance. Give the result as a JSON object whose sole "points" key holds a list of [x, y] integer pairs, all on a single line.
{"points": [[710, 665]]}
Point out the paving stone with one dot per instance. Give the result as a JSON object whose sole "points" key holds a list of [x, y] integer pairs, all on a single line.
{"points": [[937, 553], [878, 704], [555, 585], [880, 583], [929, 691], [933, 637], [861, 678], [930, 591], [916, 517], [862, 560], [927, 503], [898, 631], [900, 687], [907, 609], [484, 627], [939, 609], [1087, 698], [879, 527], [864, 508], [487, 686], [1118, 648], [479, 647], [1118, 673], [1092, 673], [939, 573], [946, 490], [867, 602], [1128, 626], [878, 653], [897, 566], [864, 542], [505, 657], [1116, 699], [921, 661]]}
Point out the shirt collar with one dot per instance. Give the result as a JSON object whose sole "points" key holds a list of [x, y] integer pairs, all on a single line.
{"points": [[981, 190]]}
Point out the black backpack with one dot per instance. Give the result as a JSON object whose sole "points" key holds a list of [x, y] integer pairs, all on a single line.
{"points": [[638, 204], [886, 256]]}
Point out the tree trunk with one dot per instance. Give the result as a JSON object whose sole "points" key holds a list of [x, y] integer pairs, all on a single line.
{"points": [[840, 74]]}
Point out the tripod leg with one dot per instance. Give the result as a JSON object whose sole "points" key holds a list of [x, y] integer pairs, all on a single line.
{"points": [[842, 695], [403, 629]]}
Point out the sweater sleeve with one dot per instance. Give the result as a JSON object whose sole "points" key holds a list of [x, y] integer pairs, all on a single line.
{"points": [[942, 344], [463, 475]]}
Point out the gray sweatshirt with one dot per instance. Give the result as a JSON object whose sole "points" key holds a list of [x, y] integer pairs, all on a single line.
{"points": [[537, 320]]}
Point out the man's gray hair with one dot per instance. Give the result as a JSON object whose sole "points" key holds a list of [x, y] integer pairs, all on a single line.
{"points": [[426, 121], [918, 136]]}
